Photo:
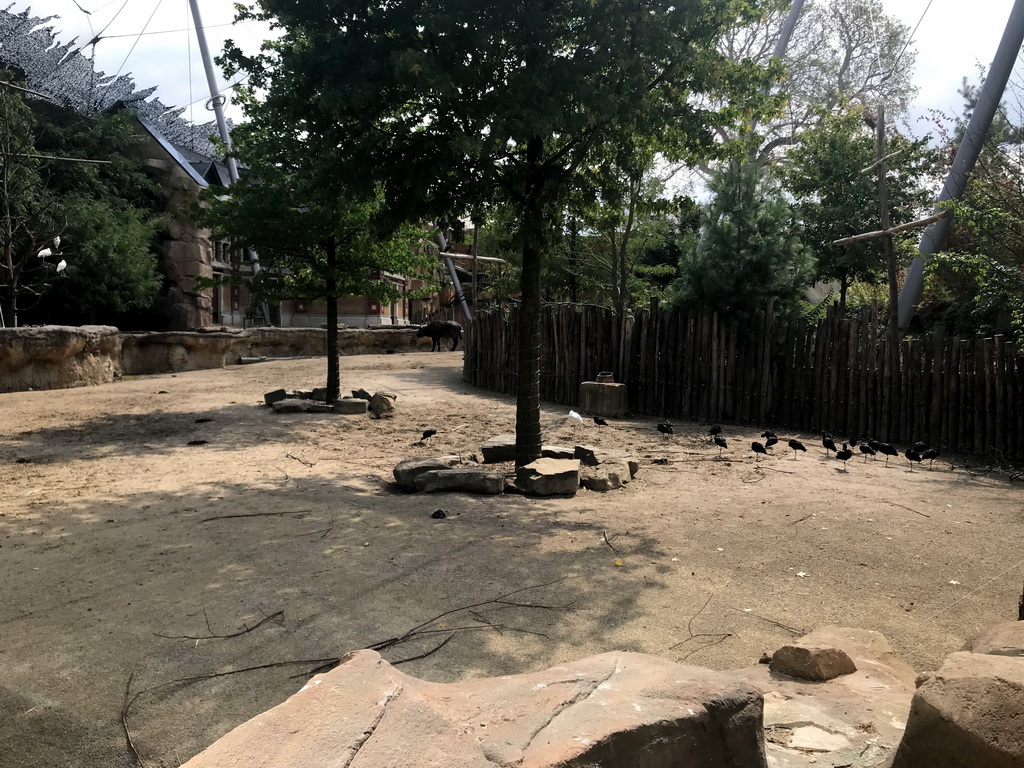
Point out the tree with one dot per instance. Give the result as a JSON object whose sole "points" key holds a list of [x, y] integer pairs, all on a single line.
{"points": [[314, 236], [835, 199], [66, 175], [450, 104], [750, 250], [842, 51]]}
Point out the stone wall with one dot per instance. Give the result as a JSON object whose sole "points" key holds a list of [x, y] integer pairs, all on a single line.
{"points": [[58, 357]]}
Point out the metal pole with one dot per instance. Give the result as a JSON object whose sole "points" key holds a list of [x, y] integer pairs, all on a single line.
{"points": [[787, 29], [934, 237], [215, 96], [455, 278]]}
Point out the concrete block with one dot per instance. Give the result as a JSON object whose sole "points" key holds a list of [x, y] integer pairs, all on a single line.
{"points": [[610, 400]]}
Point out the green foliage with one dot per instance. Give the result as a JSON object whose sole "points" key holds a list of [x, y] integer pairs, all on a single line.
{"points": [[835, 200], [750, 251]]}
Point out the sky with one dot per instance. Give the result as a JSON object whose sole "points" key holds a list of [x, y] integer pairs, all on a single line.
{"points": [[952, 39]]}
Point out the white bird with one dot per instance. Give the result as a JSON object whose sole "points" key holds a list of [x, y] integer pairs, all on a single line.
{"points": [[61, 266], [56, 242], [576, 419], [45, 252]]}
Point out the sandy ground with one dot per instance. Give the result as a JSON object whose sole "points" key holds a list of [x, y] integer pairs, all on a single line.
{"points": [[113, 567]]}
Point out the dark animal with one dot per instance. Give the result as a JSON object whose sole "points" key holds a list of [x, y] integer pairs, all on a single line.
{"points": [[600, 422], [772, 440], [912, 456], [919, 447], [873, 444], [758, 449], [440, 329], [439, 515], [427, 434], [931, 454], [828, 443], [768, 434], [721, 443], [887, 450], [665, 427], [867, 450], [715, 430], [844, 455], [796, 445]]}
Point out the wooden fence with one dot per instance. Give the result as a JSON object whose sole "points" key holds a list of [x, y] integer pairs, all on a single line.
{"points": [[962, 394]]}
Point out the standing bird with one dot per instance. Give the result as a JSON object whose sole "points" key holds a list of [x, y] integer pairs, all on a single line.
{"points": [[867, 450], [772, 440], [427, 434], [919, 447], [844, 455], [600, 422], [721, 443], [758, 449], [912, 456], [61, 266], [768, 433], [665, 427], [44, 253], [796, 445], [577, 422], [931, 454], [887, 450], [873, 445], [827, 442], [56, 242], [715, 430]]}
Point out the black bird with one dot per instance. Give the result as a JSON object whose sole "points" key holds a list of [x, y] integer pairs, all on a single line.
{"points": [[867, 450], [721, 443], [758, 449], [873, 444], [828, 435], [600, 422], [828, 442], [919, 447], [665, 427], [427, 434], [796, 445], [931, 454], [844, 455], [912, 456], [715, 430], [854, 441], [887, 450], [768, 433], [772, 440]]}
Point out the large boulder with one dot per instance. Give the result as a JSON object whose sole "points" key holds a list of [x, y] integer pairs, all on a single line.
{"points": [[609, 711], [275, 397], [606, 477], [549, 477], [350, 406], [290, 405], [464, 480], [499, 448], [969, 713], [1002, 640], [592, 456], [557, 452], [407, 471], [812, 662], [382, 404]]}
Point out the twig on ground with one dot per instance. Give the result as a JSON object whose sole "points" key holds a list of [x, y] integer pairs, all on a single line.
{"points": [[805, 517], [780, 625], [302, 512], [456, 429], [605, 535], [433, 650], [721, 636], [903, 506], [301, 460], [213, 636], [125, 705]]}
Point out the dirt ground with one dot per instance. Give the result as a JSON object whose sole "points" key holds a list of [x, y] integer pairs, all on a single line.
{"points": [[117, 558]]}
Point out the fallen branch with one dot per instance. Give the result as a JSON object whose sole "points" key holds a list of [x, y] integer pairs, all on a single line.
{"points": [[794, 630], [903, 506], [432, 651], [301, 460], [214, 636], [605, 535], [805, 517], [125, 705], [722, 636], [302, 512]]}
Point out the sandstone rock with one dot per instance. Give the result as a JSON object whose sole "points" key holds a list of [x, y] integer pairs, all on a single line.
{"points": [[350, 405], [591, 456], [319, 393], [616, 710], [407, 471], [290, 405], [606, 477], [1001, 640], [499, 448], [58, 357], [317, 407], [556, 452], [465, 480], [382, 404], [549, 477], [302, 394], [362, 394], [634, 466], [275, 397], [811, 662], [969, 713]]}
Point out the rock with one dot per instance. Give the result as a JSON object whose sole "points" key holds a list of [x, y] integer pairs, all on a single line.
{"points": [[499, 448], [549, 477], [291, 405], [407, 471], [634, 466], [607, 711], [591, 456], [811, 662], [319, 393], [382, 404], [465, 480], [606, 477], [969, 713], [1001, 640], [318, 407], [302, 394], [275, 397], [362, 394], [350, 405], [556, 452]]}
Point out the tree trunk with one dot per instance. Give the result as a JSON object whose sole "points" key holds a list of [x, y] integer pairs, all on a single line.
{"points": [[333, 366], [844, 285], [574, 231], [528, 438]]}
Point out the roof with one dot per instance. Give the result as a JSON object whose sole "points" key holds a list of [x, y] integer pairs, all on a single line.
{"points": [[173, 151]]}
